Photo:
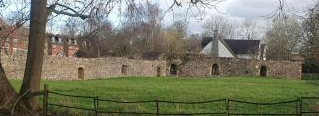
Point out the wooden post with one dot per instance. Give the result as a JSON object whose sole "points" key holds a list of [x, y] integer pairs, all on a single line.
{"points": [[297, 107], [45, 100], [300, 106], [96, 106], [227, 107], [157, 107]]}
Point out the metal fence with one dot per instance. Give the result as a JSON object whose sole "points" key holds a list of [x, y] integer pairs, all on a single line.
{"points": [[298, 104]]}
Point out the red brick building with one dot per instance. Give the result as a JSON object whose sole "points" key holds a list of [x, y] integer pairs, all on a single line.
{"points": [[14, 41], [61, 46]]}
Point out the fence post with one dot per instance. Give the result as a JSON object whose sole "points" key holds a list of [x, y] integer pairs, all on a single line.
{"points": [[227, 107], [157, 107], [45, 100], [297, 107], [300, 107], [96, 105]]}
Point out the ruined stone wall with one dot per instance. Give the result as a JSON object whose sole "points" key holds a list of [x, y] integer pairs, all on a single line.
{"points": [[202, 67], [65, 68]]}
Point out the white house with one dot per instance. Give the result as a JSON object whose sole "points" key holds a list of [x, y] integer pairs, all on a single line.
{"points": [[246, 49]]}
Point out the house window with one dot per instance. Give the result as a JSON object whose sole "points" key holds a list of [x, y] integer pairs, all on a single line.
{"points": [[158, 72], [81, 73], [263, 71], [124, 69], [215, 69], [173, 69]]}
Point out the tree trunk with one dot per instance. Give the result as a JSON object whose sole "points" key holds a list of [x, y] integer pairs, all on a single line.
{"points": [[7, 93], [33, 70]]}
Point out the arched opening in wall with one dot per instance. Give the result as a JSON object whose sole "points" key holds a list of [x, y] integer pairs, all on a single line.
{"points": [[158, 74], [124, 69], [263, 71], [173, 69], [215, 69], [80, 73]]}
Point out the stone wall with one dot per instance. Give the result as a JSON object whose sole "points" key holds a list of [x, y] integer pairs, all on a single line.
{"points": [[66, 68], [202, 67]]}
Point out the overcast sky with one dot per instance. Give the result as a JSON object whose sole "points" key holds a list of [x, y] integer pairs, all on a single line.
{"points": [[241, 9], [234, 9]]}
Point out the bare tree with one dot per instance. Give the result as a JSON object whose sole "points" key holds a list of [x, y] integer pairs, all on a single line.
{"points": [[249, 29], [181, 27], [310, 46], [283, 39], [94, 37], [225, 27], [193, 44]]}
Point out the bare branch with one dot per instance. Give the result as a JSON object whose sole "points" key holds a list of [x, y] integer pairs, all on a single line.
{"points": [[74, 13]]}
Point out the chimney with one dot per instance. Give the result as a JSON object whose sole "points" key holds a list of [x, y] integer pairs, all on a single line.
{"points": [[214, 51], [215, 34]]}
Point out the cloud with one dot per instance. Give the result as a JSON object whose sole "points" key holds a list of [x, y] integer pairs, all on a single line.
{"points": [[234, 9], [258, 8], [251, 8]]}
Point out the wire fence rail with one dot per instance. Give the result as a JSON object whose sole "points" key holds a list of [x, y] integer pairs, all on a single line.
{"points": [[299, 108]]}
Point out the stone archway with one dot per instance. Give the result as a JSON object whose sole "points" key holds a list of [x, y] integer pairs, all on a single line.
{"points": [[263, 71], [158, 72], [173, 69], [215, 69], [80, 73], [124, 69]]}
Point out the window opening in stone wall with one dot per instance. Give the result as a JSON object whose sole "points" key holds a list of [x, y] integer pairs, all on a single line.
{"points": [[158, 72], [81, 73], [215, 69], [56, 39], [124, 69], [173, 69], [246, 72], [263, 71]]}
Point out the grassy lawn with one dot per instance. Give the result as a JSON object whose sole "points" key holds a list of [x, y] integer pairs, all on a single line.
{"points": [[253, 89], [310, 76]]}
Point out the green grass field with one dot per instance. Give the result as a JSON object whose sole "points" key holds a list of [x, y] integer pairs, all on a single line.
{"points": [[253, 89]]}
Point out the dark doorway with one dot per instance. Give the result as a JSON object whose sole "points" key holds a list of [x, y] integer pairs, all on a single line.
{"points": [[215, 69], [158, 72], [263, 71], [173, 69], [124, 69], [81, 73]]}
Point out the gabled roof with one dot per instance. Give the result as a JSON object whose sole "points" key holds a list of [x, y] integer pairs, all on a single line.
{"points": [[243, 46], [236, 46], [228, 48], [205, 41]]}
